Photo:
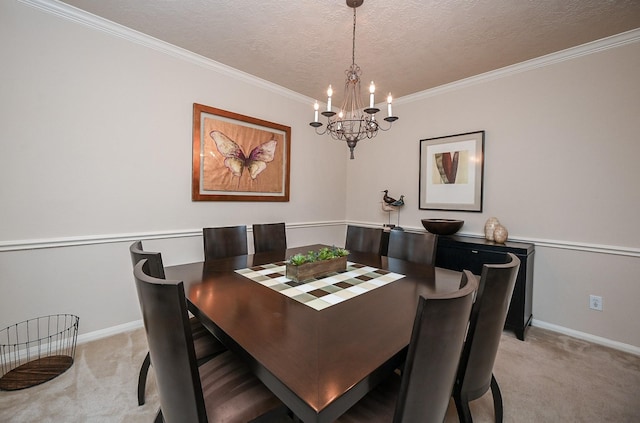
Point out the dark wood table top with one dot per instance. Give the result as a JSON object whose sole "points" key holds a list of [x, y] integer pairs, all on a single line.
{"points": [[319, 363]]}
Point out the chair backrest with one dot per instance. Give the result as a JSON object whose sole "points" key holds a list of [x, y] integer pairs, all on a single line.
{"points": [[414, 247], [485, 327], [434, 352], [166, 322], [154, 260], [225, 242], [269, 237], [366, 240]]}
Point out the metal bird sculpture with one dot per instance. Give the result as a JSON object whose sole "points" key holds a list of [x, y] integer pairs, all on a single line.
{"points": [[399, 202], [387, 199]]}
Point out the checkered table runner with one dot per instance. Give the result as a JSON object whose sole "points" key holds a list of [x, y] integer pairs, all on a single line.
{"points": [[325, 292]]}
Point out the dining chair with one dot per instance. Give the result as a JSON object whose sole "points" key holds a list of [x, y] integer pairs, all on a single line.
{"points": [[475, 374], [206, 345], [221, 390], [414, 247], [363, 239], [269, 237], [423, 391], [223, 242]]}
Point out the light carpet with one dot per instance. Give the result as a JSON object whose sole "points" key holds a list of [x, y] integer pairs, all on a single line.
{"points": [[548, 378]]}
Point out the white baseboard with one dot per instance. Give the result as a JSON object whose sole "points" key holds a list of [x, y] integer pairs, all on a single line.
{"points": [[587, 337], [126, 327], [110, 331]]}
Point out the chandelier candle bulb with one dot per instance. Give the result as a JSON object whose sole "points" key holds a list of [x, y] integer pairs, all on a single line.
{"points": [[372, 90], [316, 106], [329, 94], [389, 99]]}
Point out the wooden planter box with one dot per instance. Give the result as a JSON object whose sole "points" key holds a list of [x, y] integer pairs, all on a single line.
{"points": [[316, 269]]}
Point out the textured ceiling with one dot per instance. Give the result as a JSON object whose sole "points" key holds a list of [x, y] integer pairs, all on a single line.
{"points": [[404, 46]]}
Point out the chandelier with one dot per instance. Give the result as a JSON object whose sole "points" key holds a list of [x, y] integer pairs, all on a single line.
{"points": [[353, 122]]}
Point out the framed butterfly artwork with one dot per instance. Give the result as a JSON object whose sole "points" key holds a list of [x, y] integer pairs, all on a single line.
{"points": [[451, 172], [238, 158]]}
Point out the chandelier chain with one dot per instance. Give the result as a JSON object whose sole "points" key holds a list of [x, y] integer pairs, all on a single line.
{"points": [[353, 47]]}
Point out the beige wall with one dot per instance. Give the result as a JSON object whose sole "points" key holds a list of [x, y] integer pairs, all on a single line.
{"points": [[84, 113], [87, 116], [95, 150], [561, 170]]}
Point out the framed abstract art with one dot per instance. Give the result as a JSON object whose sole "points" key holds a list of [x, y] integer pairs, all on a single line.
{"points": [[451, 172]]}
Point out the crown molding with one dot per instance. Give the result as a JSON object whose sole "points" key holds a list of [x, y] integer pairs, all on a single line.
{"points": [[79, 16], [87, 19], [613, 41]]}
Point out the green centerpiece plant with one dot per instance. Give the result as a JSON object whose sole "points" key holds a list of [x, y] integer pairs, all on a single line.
{"points": [[325, 253], [318, 263]]}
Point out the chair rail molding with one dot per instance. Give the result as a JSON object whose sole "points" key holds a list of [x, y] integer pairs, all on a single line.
{"points": [[35, 244], [538, 242]]}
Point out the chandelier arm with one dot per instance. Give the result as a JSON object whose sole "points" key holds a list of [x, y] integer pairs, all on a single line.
{"points": [[321, 132], [380, 127]]}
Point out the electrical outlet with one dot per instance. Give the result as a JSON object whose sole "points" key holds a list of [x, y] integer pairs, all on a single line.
{"points": [[595, 302]]}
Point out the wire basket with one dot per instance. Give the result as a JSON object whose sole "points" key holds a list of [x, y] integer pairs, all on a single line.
{"points": [[37, 350]]}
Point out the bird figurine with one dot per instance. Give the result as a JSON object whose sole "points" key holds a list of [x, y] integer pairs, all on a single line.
{"points": [[387, 199], [399, 202], [388, 207]]}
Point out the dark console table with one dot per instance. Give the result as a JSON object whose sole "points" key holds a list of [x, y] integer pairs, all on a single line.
{"points": [[469, 253]]}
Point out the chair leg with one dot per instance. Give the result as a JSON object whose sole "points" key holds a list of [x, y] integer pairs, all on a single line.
{"points": [[159, 418], [497, 399], [142, 378], [462, 407]]}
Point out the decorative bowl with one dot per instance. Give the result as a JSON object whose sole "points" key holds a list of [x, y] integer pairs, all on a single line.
{"points": [[442, 226]]}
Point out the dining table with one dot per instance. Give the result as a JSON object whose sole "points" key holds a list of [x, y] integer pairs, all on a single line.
{"points": [[318, 362]]}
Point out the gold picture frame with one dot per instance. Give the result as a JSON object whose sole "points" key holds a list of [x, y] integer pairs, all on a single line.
{"points": [[238, 158]]}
